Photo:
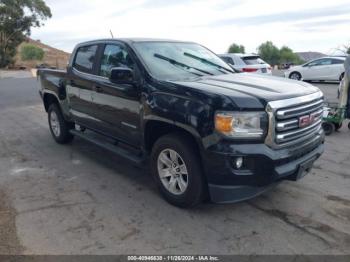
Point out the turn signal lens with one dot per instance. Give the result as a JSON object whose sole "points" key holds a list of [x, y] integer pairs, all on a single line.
{"points": [[223, 123]]}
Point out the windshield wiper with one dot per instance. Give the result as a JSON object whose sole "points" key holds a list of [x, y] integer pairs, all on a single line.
{"points": [[174, 62], [205, 61]]}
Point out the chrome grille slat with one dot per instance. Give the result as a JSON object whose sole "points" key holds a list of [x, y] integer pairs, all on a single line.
{"points": [[296, 111], [287, 125], [285, 119], [284, 137]]}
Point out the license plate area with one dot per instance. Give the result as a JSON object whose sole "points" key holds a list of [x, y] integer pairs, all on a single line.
{"points": [[305, 168]]}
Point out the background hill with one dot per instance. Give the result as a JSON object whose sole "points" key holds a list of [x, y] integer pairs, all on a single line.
{"points": [[53, 56]]}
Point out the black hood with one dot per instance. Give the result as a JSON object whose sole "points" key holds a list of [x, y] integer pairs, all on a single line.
{"points": [[253, 86]]}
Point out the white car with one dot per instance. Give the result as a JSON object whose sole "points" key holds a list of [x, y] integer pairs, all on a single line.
{"points": [[247, 63], [322, 69]]}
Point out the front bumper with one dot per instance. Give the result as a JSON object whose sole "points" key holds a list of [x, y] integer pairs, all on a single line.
{"points": [[264, 168]]}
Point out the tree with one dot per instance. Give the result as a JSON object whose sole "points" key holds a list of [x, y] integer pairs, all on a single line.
{"points": [[31, 52], [286, 55], [234, 48], [17, 17], [269, 52]]}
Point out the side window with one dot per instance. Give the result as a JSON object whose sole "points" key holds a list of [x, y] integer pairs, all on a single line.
{"points": [[313, 63], [84, 59], [323, 62], [115, 56], [337, 62], [228, 60]]}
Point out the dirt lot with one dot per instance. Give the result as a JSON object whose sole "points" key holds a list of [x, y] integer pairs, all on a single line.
{"points": [[79, 199]]}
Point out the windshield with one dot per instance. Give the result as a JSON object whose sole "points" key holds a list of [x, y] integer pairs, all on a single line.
{"points": [[180, 61], [253, 60]]}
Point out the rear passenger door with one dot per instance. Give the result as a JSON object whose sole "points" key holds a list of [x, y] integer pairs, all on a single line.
{"points": [[117, 105], [80, 85]]}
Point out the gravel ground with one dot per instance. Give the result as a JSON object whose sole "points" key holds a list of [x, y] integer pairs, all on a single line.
{"points": [[80, 199]]}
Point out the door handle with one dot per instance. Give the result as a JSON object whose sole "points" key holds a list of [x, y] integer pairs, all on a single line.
{"points": [[98, 89]]}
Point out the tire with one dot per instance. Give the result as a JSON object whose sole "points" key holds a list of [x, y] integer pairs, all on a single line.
{"points": [[338, 126], [183, 184], [59, 127], [295, 76], [328, 128]]}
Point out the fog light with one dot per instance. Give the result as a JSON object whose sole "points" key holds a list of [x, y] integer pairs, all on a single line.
{"points": [[238, 162]]}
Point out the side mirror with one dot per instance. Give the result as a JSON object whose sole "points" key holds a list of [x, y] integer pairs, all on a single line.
{"points": [[121, 75]]}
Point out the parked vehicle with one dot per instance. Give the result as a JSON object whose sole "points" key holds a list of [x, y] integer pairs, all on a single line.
{"points": [[206, 132], [335, 113], [249, 63], [322, 69]]}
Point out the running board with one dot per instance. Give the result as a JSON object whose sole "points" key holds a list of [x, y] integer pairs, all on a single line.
{"points": [[138, 160]]}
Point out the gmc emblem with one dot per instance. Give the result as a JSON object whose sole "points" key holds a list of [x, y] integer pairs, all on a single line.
{"points": [[306, 120]]}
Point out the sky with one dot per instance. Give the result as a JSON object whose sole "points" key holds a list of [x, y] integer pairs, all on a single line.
{"points": [[303, 25]]}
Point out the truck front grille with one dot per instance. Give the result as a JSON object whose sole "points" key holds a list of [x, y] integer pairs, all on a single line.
{"points": [[294, 120]]}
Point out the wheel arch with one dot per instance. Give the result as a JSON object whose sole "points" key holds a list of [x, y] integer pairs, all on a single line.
{"points": [[154, 129], [48, 99]]}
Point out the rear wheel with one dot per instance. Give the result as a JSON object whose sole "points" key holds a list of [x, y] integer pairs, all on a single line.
{"points": [[58, 126], [328, 128], [295, 76], [176, 168]]}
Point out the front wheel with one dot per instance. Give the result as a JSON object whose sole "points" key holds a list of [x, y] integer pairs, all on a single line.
{"points": [[328, 128], [58, 126], [295, 76], [176, 168]]}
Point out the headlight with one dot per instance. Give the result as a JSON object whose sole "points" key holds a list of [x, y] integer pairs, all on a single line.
{"points": [[241, 124]]}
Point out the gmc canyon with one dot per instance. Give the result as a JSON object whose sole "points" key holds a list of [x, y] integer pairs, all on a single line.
{"points": [[207, 132]]}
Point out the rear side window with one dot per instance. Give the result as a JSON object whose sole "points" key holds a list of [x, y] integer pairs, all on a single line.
{"points": [[253, 60], [228, 60], [84, 60], [337, 62]]}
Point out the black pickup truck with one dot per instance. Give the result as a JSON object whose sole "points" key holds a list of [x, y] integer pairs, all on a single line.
{"points": [[207, 132]]}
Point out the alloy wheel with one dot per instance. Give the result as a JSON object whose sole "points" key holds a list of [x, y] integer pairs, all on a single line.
{"points": [[172, 171], [55, 124]]}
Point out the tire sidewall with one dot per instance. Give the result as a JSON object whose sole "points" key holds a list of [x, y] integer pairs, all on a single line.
{"points": [[194, 190], [64, 136]]}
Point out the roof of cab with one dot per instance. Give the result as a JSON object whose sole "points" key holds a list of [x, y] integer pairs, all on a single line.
{"points": [[132, 40]]}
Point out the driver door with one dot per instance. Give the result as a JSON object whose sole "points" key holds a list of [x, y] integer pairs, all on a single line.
{"points": [[117, 105]]}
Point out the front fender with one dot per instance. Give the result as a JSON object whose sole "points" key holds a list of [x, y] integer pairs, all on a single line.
{"points": [[189, 114]]}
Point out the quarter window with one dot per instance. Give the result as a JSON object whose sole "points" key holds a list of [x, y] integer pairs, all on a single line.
{"points": [[228, 60], [85, 57], [115, 56]]}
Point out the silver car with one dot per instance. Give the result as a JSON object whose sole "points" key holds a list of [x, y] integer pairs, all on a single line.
{"points": [[249, 63], [322, 69]]}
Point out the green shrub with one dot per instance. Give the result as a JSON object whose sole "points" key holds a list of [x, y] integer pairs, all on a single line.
{"points": [[31, 52]]}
